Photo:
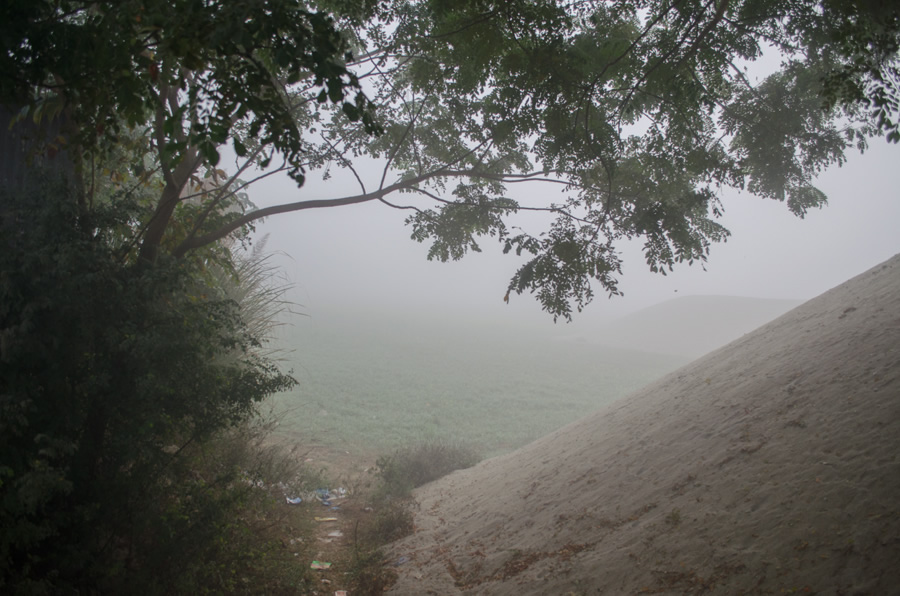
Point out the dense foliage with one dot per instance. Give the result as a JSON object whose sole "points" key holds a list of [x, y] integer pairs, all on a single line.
{"points": [[639, 111], [192, 75], [107, 372], [114, 63]]}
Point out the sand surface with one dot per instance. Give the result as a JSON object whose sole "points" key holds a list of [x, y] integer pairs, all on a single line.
{"points": [[769, 466]]}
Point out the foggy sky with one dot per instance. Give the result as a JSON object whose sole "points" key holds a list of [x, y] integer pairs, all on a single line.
{"points": [[358, 261]]}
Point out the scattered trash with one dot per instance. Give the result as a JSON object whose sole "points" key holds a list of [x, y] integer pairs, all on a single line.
{"points": [[326, 496], [319, 565], [341, 593], [335, 534], [294, 500], [325, 519], [400, 561]]}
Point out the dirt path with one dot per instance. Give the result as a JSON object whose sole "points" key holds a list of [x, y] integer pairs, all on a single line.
{"points": [[335, 550]]}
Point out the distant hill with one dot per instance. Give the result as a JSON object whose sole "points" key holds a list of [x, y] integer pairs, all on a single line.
{"points": [[692, 325]]}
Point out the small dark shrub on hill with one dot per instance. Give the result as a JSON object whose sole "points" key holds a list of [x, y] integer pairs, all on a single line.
{"points": [[400, 472], [414, 466]]}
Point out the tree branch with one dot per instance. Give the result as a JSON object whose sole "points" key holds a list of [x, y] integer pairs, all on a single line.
{"points": [[299, 206]]}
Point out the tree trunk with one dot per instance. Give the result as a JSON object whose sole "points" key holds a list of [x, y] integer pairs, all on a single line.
{"points": [[176, 179], [158, 224]]}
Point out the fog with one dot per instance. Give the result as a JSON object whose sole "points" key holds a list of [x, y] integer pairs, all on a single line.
{"points": [[358, 263]]}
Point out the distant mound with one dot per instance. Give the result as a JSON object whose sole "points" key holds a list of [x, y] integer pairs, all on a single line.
{"points": [[692, 325], [769, 466]]}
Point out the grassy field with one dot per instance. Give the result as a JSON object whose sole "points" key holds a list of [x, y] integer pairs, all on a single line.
{"points": [[384, 385]]}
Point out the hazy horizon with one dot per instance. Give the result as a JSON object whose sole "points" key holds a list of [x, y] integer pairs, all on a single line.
{"points": [[359, 261]]}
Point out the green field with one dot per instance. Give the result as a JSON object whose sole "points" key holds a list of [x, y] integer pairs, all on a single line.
{"points": [[384, 385]]}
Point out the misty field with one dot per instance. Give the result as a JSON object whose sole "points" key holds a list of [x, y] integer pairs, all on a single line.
{"points": [[383, 385]]}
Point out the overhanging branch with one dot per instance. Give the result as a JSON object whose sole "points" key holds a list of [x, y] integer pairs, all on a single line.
{"points": [[198, 241], [409, 184]]}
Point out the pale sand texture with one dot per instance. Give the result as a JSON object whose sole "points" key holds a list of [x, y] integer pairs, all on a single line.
{"points": [[769, 466]]}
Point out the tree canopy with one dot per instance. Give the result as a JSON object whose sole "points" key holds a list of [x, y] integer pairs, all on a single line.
{"points": [[642, 111]]}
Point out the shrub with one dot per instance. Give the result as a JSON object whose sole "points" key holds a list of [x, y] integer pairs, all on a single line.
{"points": [[400, 472], [227, 532], [414, 466]]}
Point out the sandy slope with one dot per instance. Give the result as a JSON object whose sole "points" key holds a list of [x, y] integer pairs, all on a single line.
{"points": [[769, 466]]}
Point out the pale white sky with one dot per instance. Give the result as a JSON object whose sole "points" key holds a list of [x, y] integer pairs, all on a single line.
{"points": [[360, 259]]}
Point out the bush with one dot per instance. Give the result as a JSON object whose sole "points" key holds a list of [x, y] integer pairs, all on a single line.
{"points": [[400, 472], [414, 466], [227, 532]]}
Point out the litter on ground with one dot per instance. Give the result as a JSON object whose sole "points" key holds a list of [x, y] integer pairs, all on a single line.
{"points": [[327, 495]]}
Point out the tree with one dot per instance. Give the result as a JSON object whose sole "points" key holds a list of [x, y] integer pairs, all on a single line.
{"points": [[191, 75], [108, 374], [641, 110]]}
